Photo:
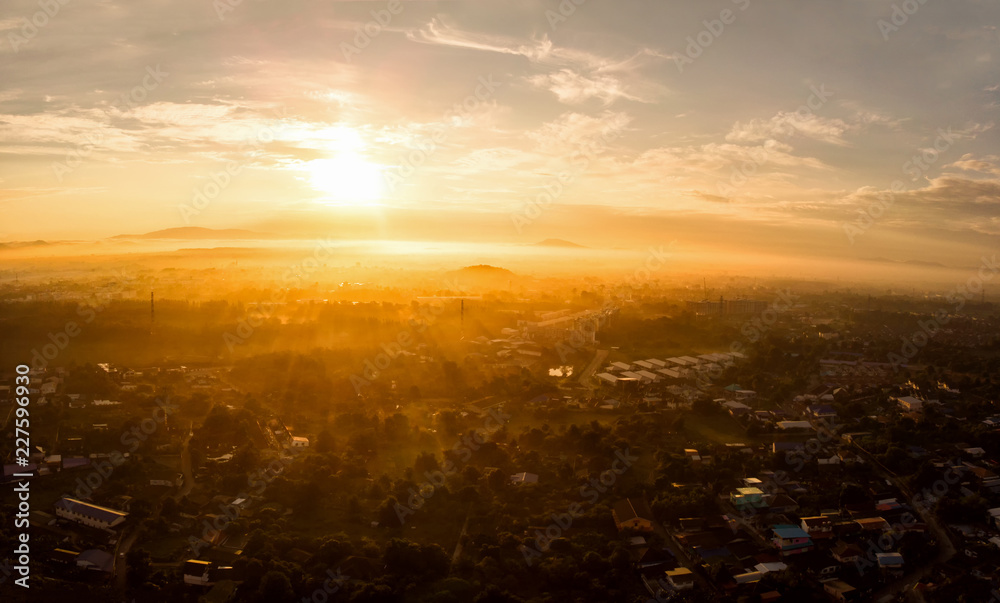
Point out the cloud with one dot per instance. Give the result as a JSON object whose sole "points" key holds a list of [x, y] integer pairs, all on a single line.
{"points": [[577, 75], [575, 130], [573, 88], [708, 197], [786, 123], [989, 164]]}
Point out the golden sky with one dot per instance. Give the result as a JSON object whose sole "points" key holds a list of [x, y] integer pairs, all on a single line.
{"points": [[771, 125]]}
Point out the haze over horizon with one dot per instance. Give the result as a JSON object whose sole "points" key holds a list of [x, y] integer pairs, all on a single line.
{"points": [[776, 132]]}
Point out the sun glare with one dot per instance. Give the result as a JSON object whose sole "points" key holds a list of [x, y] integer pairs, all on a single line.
{"points": [[347, 179]]}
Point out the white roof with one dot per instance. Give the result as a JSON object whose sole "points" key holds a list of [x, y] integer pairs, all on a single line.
{"points": [[607, 377], [773, 566], [621, 365], [794, 425]]}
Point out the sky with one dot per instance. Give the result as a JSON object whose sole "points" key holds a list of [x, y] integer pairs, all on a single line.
{"points": [[860, 128]]}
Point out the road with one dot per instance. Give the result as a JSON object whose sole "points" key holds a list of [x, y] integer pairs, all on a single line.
{"points": [[458, 547], [946, 548], [130, 534], [186, 466], [684, 559], [599, 356]]}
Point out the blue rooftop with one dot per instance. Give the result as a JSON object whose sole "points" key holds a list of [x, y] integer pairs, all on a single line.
{"points": [[789, 531]]}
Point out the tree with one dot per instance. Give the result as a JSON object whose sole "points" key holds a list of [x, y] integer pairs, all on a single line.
{"points": [[493, 594], [496, 479], [275, 587], [386, 513], [138, 567]]}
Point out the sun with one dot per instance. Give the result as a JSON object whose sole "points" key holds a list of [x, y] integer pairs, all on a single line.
{"points": [[347, 178]]}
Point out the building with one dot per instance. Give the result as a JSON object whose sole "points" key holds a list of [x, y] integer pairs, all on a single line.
{"points": [[681, 578], [847, 553], [87, 514], [727, 306], [300, 442], [606, 378], [820, 526], [909, 403], [791, 540], [841, 591], [747, 498], [633, 514], [196, 572], [96, 560], [890, 563], [995, 517], [524, 478], [794, 425], [737, 409]]}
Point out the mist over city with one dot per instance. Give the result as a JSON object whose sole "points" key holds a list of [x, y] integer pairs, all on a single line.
{"points": [[407, 301]]}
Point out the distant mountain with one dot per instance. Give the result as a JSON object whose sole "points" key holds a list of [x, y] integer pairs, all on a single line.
{"points": [[483, 270], [910, 262], [196, 232], [558, 243], [20, 244], [481, 277]]}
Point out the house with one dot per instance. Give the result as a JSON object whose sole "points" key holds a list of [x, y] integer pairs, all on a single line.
{"points": [[96, 560], [873, 524], [909, 403], [782, 503], [737, 409], [747, 498], [607, 378], [620, 366], [823, 412], [669, 373], [748, 577], [841, 591], [794, 425], [64, 556], [648, 377], [995, 517], [165, 478], [777, 447], [196, 572], [790, 539], [633, 514], [974, 452], [300, 442], [681, 578], [652, 559], [89, 515], [818, 527], [846, 553], [524, 478], [890, 563], [771, 566]]}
